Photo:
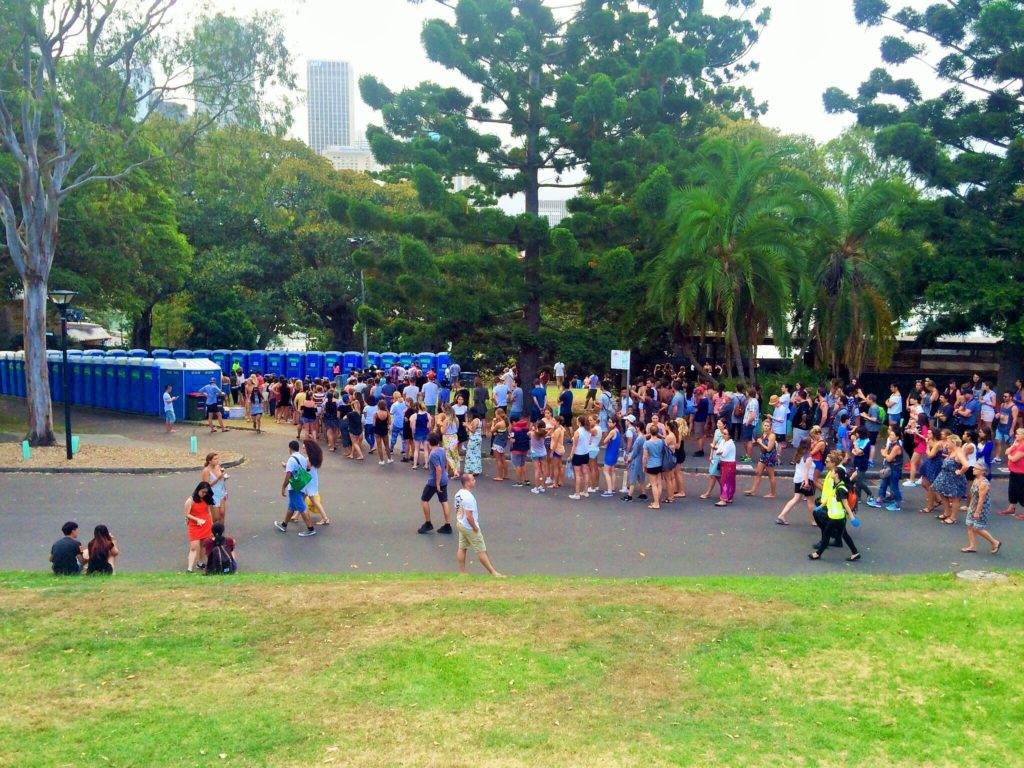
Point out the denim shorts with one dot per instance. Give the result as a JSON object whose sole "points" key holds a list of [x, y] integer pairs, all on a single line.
{"points": [[518, 459], [296, 501], [169, 417]]}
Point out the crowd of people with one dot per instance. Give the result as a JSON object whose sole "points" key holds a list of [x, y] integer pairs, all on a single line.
{"points": [[631, 443]]}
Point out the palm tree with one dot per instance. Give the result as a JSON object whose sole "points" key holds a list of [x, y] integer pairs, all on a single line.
{"points": [[735, 250], [855, 267]]}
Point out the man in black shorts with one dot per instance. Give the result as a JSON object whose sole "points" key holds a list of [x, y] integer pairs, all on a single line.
{"points": [[437, 482]]}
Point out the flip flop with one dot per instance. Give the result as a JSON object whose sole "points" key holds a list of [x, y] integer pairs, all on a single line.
{"points": [[997, 547], [968, 550], [780, 521], [949, 521], [721, 504]]}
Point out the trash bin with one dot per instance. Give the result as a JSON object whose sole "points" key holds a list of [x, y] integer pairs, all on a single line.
{"points": [[195, 407]]}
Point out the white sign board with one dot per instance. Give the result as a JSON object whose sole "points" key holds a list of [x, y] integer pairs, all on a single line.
{"points": [[620, 359]]}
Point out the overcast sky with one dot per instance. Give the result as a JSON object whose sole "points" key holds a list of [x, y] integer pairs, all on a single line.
{"points": [[807, 46]]}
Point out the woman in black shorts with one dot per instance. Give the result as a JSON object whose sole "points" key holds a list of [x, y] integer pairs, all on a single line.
{"points": [[355, 429], [381, 428], [332, 422]]}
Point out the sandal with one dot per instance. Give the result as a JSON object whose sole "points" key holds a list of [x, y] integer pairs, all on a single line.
{"points": [[968, 550], [853, 558], [997, 547], [704, 496], [780, 521], [949, 521], [651, 506], [768, 496]]}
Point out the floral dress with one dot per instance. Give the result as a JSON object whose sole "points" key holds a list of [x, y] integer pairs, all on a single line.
{"points": [[948, 483], [451, 446], [770, 458], [980, 519], [473, 465]]}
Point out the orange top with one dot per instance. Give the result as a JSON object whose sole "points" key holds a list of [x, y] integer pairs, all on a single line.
{"points": [[197, 531]]}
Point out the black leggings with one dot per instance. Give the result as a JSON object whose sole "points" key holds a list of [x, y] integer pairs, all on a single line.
{"points": [[832, 529]]}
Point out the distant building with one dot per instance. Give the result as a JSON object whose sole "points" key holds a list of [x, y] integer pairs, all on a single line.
{"points": [[553, 210], [329, 102], [352, 158]]}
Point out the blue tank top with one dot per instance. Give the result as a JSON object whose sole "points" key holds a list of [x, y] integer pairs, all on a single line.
{"points": [[655, 453], [611, 451]]}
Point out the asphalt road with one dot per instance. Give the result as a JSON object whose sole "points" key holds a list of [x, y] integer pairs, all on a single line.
{"points": [[375, 513]]}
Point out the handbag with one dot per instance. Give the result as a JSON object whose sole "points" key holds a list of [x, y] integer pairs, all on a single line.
{"points": [[300, 479], [885, 473]]}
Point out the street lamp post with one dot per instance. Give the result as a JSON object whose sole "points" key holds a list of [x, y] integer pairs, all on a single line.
{"points": [[63, 301], [361, 242]]}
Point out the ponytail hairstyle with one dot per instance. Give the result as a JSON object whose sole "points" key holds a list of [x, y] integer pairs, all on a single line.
{"points": [[218, 534]]}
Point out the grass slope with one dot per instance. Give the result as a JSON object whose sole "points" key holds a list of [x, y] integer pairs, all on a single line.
{"points": [[437, 671]]}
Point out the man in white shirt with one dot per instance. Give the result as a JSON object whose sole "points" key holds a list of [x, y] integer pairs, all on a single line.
{"points": [[169, 418], [430, 396], [559, 374], [412, 392], [467, 520]]}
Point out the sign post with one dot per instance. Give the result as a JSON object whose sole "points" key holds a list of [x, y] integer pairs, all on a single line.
{"points": [[620, 362]]}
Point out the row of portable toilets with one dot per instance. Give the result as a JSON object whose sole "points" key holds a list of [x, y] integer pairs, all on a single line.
{"points": [[134, 381]]}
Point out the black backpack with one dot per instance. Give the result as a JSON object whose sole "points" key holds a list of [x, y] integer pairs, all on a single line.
{"points": [[220, 561]]}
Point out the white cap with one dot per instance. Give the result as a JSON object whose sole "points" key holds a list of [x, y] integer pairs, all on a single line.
{"points": [[630, 417]]}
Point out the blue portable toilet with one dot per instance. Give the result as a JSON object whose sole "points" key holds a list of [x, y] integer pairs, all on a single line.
{"points": [[110, 383], [137, 398], [427, 361], [184, 377], [275, 363], [5, 362], [118, 353], [152, 404], [240, 356], [295, 365], [202, 354], [387, 359], [89, 353], [257, 361], [99, 382], [161, 354], [330, 358], [76, 385], [315, 365], [87, 394], [352, 361], [178, 354], [222, 357], [406, 359], [123, 387], [54, 363], [373, 359], [443, 361], [138, 354]]}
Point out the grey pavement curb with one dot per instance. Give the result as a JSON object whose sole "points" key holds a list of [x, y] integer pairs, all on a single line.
{"points": [[110, 471]]}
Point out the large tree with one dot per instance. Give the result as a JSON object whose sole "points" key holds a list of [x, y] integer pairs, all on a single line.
{"points": [[965, 144], [79, 73], [557, 92]]}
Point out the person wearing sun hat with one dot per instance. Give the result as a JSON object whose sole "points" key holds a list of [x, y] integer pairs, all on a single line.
{"points": [[780, 416]]}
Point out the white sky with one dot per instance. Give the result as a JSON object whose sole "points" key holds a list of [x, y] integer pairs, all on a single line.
{"points": [[807, 46]]}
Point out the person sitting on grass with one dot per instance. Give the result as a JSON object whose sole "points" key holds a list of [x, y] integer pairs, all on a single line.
{"points": [[103, 552], [67, 554]]}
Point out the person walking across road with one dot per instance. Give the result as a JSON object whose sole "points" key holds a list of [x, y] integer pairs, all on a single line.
{"points": [[467, 520]]}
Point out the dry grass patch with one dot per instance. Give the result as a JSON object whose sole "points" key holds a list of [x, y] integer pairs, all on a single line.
{"points": [[106, 457]]}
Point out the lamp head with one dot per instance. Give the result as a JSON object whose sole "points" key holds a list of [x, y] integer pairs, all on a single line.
{"points": [[62, 298]]}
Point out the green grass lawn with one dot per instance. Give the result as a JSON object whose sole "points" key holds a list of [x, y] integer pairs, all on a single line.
{"points": [[441, 671]]}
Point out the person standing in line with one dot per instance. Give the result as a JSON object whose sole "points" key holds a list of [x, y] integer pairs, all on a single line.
{"points": [[559, 374], [715, 461], [951, 483], [751, 413], [538, 399], [538, 455], [894, 405], [430, 391], [454, 373], [727, 467], [67, 555], [103, 552], [467, 519], [978, 510], [1008, 415], [557, 449], [332, 422], [293, 487], [381, 428], [500, 394], [499, 444], [1015, 463], [780, 417], [217, 477], [473, 464], [701, 416], [169, 417], [213, 394], [581, 458], [835, 511], [612, 443], [592, 384], [199, 522], [437, 483], [635, 465], [516, 399], [654, 458], [255, 404], [565, 405], [520, 449], [479, 399], [354, 417]]}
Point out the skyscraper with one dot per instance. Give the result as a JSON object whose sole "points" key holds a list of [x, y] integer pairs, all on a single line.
{"points": [[330, 102]]}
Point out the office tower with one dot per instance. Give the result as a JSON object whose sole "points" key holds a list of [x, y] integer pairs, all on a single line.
{"points": [[329, 102]]}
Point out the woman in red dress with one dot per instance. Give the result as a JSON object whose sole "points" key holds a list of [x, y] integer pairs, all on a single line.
{"points": [[199, 522]]}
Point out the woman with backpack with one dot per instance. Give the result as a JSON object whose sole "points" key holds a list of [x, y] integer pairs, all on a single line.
{"points": [[221, 557]]}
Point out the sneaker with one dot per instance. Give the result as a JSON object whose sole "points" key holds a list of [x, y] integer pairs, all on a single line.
{"points": [[746, 459], [996, 460], [550, 481], [517, 485], [892, 508], [586, 495], [538, 489], [909, 483], [381, 463], [574, 496], [917, 482], [607, 495], [1005, 470], [542, 489], [446, 528], [627, 497], [427, 527], [593, 490], [642, 497], [875, 503], [871, 463], [281, 527], [308, 532], [391, 461]]}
